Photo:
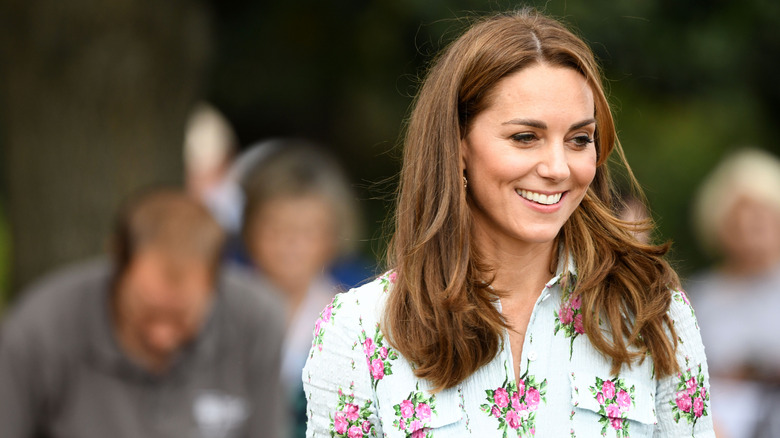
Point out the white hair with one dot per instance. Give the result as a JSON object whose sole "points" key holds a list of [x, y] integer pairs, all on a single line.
{"points": [[209, 140], [750, 173]]}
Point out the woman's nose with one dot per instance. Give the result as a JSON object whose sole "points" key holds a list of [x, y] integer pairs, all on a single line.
{"points": [[554, 164]]}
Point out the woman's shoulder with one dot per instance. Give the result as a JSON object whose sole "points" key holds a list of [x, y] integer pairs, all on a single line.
{"points": [[367, 300], [680, 308], [350, 312]]}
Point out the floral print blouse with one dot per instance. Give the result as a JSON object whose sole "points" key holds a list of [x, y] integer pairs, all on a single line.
{"points": [[358, 386]]}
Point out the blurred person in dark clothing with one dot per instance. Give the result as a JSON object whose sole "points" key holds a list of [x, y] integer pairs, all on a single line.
{"points": [[737, 217], [300, 216], [158, 342]]}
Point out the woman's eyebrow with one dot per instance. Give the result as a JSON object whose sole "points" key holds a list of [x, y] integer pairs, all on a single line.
{"points": [[541, 125], [582, 124], [527, 122]]}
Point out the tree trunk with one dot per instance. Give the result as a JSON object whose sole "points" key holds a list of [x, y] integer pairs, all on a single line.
{"points": [[94, 96]]}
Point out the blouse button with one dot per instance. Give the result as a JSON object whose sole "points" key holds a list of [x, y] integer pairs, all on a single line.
{"points": [[532, 355]]}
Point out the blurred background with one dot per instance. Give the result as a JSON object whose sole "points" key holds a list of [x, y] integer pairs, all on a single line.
{"points": [[94, 98]]}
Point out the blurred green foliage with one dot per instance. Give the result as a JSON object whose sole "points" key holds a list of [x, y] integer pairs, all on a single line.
{"points": [[689, 81]]}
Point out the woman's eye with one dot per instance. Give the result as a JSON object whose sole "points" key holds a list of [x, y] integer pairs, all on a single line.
{"points": [[582, 140], [524, 138]]}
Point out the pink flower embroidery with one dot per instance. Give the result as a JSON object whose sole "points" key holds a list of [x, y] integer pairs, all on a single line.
{"points": [[568, 318], [623, 400], [407, 409], [402, 424], [566, 315], [340, 423], [378, 369], [609, 389], [415, 425], [576, 302], [522, 409], [512, 402], [352, 412], [378, 357], [419, 433], [614, 399], [578, 327], [355, 432], [368, 347], [690, 401], [532, 398], [613, 411], [393, 276], [366, 426], [683, 401], [513, 419], [317, 327], [423, 411], [501, 397], [515, 401], [691, 386], [698, 406], [326, 313]]}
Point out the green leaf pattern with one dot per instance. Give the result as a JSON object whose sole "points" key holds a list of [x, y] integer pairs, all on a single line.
{"points": [[514, 404], [351, 420], [326, 317], [378, 355], [568, 318], [692, 397], [615, 401], [414, 413]]}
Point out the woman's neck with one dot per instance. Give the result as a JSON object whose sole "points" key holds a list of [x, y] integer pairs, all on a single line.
{"points": [[521, 270]]}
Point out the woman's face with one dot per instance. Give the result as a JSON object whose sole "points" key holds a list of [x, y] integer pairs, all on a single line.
{"points": [[750, 232], [529, 156], [293, 239]]}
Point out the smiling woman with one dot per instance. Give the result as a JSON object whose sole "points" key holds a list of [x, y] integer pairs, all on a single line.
{"points": [[516, 299], [528, 174]]}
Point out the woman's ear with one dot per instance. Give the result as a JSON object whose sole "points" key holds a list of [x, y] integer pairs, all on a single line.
{"points": [[463, 155]]}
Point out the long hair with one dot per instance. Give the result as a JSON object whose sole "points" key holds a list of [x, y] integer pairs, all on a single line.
{"points": [[440, 314]]}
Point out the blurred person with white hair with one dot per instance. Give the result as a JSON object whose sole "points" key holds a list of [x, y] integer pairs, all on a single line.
{"points": [[737, 217], [209, 150], [300, 217]]}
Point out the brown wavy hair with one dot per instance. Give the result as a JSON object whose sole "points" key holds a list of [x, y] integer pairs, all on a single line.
{"points": [[440, 314]]}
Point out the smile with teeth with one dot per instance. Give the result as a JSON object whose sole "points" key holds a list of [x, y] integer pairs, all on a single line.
{"points": [[540, 198]]}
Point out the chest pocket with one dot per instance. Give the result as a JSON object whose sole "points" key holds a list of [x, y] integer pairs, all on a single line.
{"points": [[405, 410], [622, 404]]}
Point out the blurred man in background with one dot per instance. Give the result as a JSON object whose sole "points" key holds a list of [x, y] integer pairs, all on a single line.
{"points": [[737, 216], [158, 343]]}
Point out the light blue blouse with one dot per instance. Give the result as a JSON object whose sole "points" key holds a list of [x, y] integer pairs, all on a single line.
{"points": [[357, 385]]}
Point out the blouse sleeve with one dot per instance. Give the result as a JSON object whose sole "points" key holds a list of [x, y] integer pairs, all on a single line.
{"points": [[336, 378], [683, 399]]}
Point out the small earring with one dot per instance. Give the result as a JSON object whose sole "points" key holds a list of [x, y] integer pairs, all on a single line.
{"points": [[465, 182]]}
